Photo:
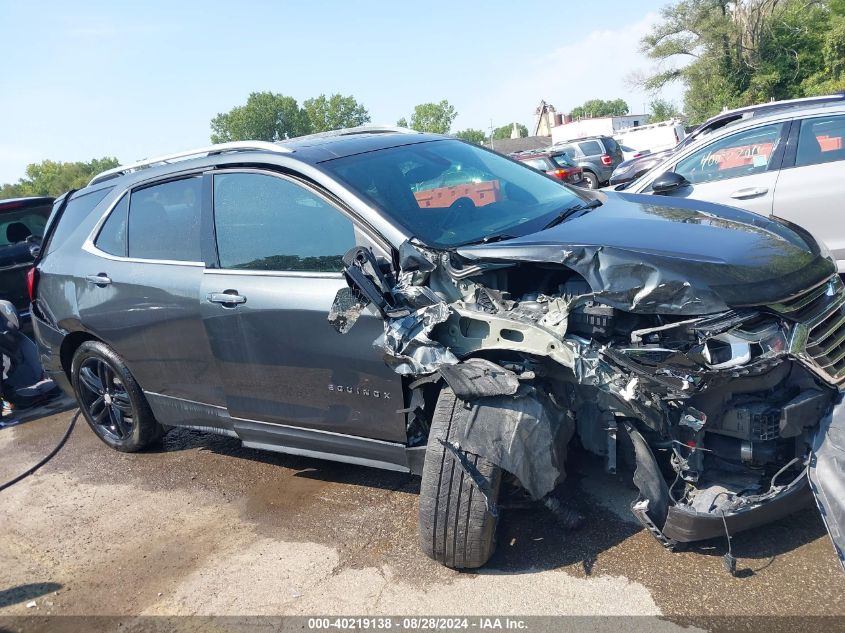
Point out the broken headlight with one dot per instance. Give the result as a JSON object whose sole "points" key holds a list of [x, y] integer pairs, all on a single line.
{"points": [[740, 346]]}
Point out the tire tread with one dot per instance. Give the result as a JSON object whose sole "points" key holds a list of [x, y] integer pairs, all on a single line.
{"points": [[456, 528]]}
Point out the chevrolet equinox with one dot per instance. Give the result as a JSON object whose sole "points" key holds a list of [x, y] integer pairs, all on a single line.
{"points": [[417, 303]]}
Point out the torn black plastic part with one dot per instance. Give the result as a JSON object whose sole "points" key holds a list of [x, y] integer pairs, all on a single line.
{"points": [[412, 260], [476, 477], [479, 378], [685, 525], [525, 434], [363, 273], [649, 481]]}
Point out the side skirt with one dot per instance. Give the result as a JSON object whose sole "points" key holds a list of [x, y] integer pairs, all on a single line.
{"points": [[322, 444], [280, 438]]}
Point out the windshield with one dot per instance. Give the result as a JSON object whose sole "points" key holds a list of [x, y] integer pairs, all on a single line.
{"points": [[447, 193]]}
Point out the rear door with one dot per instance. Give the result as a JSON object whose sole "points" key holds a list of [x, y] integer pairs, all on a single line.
{"points": [[138, 282], [265, 303], [810, 188], [739, 170]]}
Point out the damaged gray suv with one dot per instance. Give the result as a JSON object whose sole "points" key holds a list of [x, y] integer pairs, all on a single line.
{"points": [[417, 303]]}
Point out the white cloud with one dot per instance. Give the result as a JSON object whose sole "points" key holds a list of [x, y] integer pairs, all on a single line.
{"points": [[595, 66]]}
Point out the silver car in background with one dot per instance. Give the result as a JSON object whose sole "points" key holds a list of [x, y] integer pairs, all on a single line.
{"points": [[790, 165]]}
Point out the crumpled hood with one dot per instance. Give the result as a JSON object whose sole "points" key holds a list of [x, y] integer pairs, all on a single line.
{"points": [[653, 254]]}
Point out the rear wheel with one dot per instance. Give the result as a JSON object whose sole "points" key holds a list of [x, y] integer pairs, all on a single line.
{"points": [[591, 181], [456, 526], [111, 400]]}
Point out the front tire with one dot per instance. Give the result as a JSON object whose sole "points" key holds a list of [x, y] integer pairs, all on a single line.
{"points": [[456, 527], [111, 399]]}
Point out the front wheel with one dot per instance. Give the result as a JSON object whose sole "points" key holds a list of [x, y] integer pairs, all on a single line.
{"points": [[457, 528], [111, 400]]}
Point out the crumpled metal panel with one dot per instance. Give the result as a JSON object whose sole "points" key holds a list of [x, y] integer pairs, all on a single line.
{"points": [[827, 473], [648, 255], [408, 349]]}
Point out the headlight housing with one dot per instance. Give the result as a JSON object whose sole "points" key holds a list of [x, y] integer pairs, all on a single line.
{"points": [[740, 346]]}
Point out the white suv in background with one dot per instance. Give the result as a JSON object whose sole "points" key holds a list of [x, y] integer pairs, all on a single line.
{"points": [[790, 165]]}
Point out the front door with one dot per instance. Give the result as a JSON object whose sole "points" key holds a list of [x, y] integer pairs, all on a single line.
{"points": [[265, 307], [740, 170]]}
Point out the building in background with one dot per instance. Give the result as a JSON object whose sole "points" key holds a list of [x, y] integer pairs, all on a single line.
{"points": [[604, 126], [545, 118]]}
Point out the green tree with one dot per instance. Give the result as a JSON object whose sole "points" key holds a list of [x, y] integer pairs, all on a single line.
{"points": [[741, 52], [431, 117], [831, 77], [662, 110], [473, 136], [52, 178], [334, 112], [600, 107], [505, 131], [266, 116]]}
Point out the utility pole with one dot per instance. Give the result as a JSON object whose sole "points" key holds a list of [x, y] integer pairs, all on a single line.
{"points": [[491, 133]]}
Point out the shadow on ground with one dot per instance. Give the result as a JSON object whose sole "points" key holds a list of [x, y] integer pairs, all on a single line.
{"points": [[25, 593]]}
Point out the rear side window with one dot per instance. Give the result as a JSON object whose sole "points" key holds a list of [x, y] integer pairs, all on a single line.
{"points": [[591, 148], [75, 212], [537, 163], [821, 140], [562, 160], [269, 223], [610, 145], [164, 221], [112, 237]]}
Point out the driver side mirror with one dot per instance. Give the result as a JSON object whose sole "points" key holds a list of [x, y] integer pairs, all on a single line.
{"points": [[667, 182]]}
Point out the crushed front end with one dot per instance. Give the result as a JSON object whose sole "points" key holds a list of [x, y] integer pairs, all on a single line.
{"points": [[717, 413]]}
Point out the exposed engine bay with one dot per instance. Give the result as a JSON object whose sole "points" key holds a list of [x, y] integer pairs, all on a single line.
{"points": [[716, 412]]}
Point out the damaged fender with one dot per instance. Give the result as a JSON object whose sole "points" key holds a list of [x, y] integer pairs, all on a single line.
{"points": [[827, 474]]}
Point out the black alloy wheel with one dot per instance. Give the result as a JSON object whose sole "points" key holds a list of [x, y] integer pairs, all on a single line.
{"points": [[104, 396], [112, 401]]}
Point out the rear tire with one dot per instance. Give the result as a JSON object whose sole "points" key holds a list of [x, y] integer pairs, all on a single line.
{"points": [[591, 181], [456, 528], [111, 399]]}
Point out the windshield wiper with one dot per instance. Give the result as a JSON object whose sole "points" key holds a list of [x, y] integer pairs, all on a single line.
{"points": [[498, 237], [570, 211]]}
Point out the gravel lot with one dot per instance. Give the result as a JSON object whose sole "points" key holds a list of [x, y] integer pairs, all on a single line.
{"points": [[204, 526]]}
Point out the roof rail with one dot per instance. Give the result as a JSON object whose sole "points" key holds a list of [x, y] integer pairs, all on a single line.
{"points": [[359, 129], [220, 148]]}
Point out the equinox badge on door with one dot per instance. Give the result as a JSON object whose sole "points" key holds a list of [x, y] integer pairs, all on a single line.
{"points": [[361, 391]]}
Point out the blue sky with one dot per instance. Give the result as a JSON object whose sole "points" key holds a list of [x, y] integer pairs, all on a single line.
{"points": [[134, 79]]}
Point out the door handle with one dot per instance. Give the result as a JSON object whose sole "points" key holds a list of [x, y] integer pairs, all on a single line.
{"points": [[749, 192], [226, 298], [100, 279]]}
